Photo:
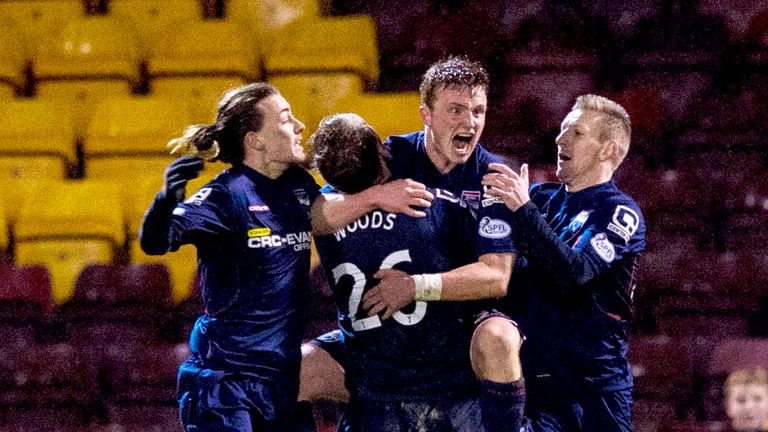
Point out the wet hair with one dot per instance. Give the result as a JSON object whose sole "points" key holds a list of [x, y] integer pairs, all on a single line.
{"points": [[237, 115], [348, 152], [614, 124], [454, 72], [746, 376]]}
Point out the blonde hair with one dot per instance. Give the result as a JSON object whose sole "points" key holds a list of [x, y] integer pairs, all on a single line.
{"points": [[615, 124], [746, 376]]}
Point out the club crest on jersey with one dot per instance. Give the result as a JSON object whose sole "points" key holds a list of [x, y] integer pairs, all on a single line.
{"points": [[471, 199], [302, 196], [578, 221], [494, 228], [624, 223], [199, 196], [603, 247]]}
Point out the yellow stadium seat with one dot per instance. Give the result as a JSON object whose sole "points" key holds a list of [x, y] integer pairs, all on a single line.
{"points": [[313, 96], [129, 135], [40, 20], [338, 44], [72, 209], [264, 17], [152, 18], [14, 59], [65, 259], [205, 48], [66, 225], [92, 58], [182, 268], [202, 93], [388, 113], [37, 139], [91, 48], [4, 224]]}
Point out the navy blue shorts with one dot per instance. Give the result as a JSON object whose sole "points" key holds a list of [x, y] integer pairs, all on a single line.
{"points": [[366, 415], [601, 412], [217, 401]]}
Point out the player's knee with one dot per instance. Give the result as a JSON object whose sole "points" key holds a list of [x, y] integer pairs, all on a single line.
{"points": [[495, 350], [321, 377]]}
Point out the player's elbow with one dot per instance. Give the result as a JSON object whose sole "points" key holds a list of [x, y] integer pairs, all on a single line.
{"points": [[497, 288]]}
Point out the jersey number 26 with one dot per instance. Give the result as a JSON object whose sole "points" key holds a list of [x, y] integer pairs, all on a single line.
{"points": [[356, 295]]}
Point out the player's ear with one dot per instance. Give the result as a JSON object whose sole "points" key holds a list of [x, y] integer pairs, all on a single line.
{"points": [[609, 150], [253, 141], [426, 115]]}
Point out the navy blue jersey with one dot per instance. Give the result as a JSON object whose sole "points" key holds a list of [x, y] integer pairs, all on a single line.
{"points": [[409, 159], [575, 286], [422, 352], [252, 236]]}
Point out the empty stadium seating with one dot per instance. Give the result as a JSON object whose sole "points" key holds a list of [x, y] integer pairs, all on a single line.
{"points": [[66, 225], [314, 95], [141, 385], [46, 387], [389, 114], [37, 139], [14, 59], [91, 58], [26, 302], [40, 21], [129, 135], [152, 20], [189, 50], [117, 304], [263, 18], [338, 44]]}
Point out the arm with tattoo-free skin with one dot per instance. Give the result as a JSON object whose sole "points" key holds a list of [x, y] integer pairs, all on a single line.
{"points": [[486, 278]]}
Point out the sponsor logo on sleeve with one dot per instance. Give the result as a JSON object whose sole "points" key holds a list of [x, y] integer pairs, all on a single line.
{"points": [[494, 228], [199, 196], [578, 221], [258, 208], [603, 247], [624, 223], [179, 211]]}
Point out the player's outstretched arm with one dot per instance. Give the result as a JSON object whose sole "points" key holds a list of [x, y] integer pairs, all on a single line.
{"points": [[155, 227], [486, 278], [399, 196]]}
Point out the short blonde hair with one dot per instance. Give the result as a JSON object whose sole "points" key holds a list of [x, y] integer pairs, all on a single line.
{"points": [[615, 124], [746, 376]]}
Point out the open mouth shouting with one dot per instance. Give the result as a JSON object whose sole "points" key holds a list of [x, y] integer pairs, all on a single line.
{"points": [[462, 142]]}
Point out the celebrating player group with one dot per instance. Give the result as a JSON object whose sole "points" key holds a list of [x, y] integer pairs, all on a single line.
{"points": [[468, 299]]}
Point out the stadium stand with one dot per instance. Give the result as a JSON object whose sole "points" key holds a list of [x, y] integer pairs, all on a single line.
{"points": [[66, 225], [37, 139], [388, 113], [337, 44]]}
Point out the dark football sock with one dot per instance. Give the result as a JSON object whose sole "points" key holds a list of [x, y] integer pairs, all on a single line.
{"points": [[503, 405]]}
